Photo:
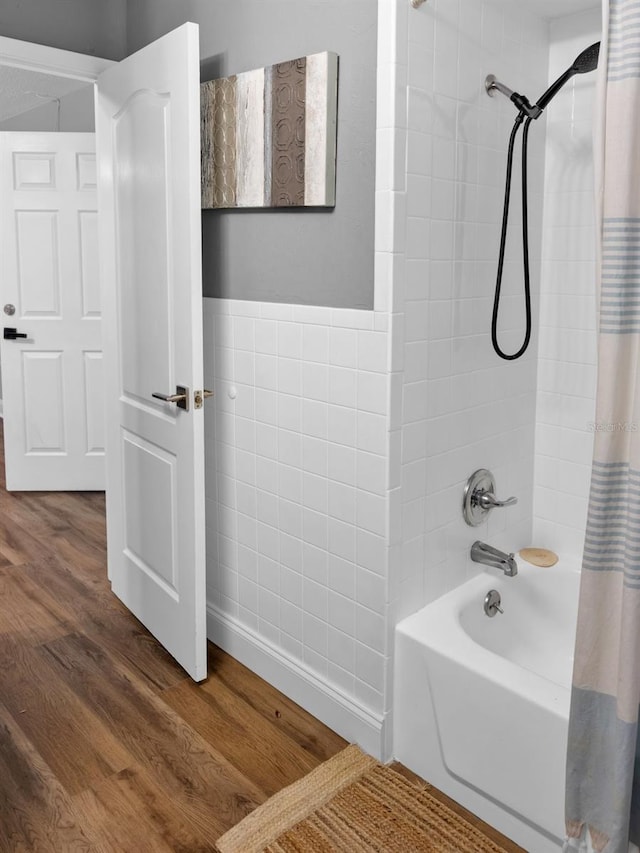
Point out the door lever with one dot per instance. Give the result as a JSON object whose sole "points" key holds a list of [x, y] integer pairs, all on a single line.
{"points": [[12, 334], [180, 398]]}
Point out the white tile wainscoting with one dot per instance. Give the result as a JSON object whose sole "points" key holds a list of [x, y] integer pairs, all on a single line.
{"points": [[297, 485]]}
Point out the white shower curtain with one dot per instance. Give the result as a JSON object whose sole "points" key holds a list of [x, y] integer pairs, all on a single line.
{"points": [[603, 761]]}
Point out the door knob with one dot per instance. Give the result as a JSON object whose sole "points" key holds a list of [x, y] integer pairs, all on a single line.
{"points": [[9, 309], [12, 334], [180, 398]]}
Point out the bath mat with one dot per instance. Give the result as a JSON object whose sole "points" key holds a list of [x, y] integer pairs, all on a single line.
{"points": [[352, 803]]}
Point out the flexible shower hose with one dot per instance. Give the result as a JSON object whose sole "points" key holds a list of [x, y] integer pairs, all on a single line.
{"points": [[525, 241]]}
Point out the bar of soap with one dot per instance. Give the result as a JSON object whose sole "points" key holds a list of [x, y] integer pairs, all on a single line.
{"points": [[539, 556]]}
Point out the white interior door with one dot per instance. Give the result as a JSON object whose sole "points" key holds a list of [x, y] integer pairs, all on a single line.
{"points": [[148, 130], [52, 377]]}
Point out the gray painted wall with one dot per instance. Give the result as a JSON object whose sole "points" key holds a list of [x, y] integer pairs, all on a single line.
{"points": [[96, 27], [313, 257]]}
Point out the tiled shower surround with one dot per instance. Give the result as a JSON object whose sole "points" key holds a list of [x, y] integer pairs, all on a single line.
{"points": [[339, 441], [567, 348], [463, 407]]}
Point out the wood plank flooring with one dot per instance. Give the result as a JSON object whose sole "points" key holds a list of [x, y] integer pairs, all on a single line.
{"points": [[106, 746]]}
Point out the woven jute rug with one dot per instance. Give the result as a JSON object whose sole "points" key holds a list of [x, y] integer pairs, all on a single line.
{"points": [[352, 803]]}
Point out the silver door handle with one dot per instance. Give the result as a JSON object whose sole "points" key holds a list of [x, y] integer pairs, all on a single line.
{"points": [[180, 398]]}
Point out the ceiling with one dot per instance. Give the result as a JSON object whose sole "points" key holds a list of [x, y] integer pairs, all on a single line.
{"points": [[21, 91], [555, 8]]}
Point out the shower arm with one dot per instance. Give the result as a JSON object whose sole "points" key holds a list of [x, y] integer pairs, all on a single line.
{"points": [[492, 84]]}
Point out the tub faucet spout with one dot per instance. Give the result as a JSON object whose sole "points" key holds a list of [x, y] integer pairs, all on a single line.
{"points": [[483, 553]]}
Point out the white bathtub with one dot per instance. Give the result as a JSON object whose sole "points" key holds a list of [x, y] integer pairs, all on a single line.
{"points": [[482, 704]]}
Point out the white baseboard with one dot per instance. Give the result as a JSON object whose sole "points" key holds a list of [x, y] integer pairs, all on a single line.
{"points": [[341, 713]]}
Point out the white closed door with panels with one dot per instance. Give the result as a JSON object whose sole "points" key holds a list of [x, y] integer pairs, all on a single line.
{"points": [[51, 349], [148, 130]]}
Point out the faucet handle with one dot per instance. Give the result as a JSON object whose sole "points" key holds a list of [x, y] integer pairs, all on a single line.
{"points": [[479, 497], [487, 500]]}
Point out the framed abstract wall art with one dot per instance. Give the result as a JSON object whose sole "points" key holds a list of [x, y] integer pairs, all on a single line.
{"points": [[269, 136]]}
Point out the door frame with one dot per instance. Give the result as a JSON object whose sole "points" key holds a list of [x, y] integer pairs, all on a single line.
{"points": [[43, 59], [51, 60]]}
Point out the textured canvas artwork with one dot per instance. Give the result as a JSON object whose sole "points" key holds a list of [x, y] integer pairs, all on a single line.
{"points": [[269, 136]]}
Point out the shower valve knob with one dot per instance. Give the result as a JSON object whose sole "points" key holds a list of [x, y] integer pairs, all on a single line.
{"points": [[479, 498], [488, 501]]}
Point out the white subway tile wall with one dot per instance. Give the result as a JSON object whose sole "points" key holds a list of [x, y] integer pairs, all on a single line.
{"points": [[462, 407], [297, 440], [567, 347]]}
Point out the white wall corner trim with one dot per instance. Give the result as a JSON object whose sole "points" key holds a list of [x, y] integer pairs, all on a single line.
{"points": [[349, 719]]}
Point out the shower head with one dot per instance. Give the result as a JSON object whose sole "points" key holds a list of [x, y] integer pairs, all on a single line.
{"points": [[588, 59], [582, 64]]}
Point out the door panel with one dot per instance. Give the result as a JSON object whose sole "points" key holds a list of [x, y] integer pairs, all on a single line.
{"points": [[34, 171], [49, 272], [148, 127], [94, 402], [89, 269], [43, 392], [38, 271], [86, 172], [140, 135], [150, 531]]}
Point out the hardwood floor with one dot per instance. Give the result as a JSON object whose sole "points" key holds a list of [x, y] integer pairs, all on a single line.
{"points": [[105, 744]]}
